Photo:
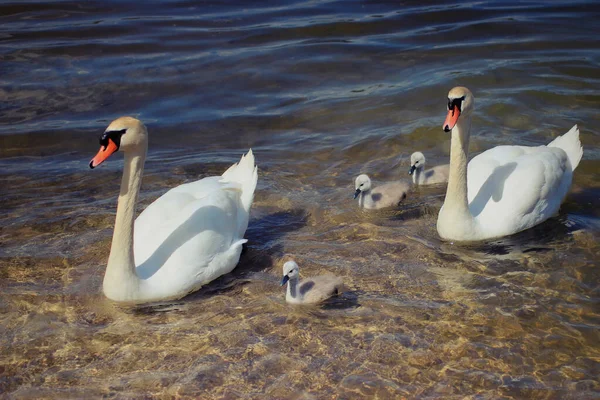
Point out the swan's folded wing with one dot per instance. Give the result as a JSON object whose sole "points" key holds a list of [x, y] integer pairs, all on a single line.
{"points": [[482, 166], [521, 191], [170, 204], [195, 249], [180, 215], [478, 171], [163, 209], [539, 185], [201, 188]]}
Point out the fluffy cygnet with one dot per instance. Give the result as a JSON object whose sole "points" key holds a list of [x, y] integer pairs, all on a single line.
{"points": [[438, 174], [386, 195], [310, 290]]}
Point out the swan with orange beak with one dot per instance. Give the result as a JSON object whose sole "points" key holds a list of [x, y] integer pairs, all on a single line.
{"points": [[186, 238], [503, 190]]}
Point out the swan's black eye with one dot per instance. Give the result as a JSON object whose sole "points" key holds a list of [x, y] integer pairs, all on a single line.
{"points": [[362, 184], [416, 162], [115, 136]]}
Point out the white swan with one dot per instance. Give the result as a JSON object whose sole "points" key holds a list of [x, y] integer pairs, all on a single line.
{"points": [[386, 195], [186, 238], [310, 290], [437, 174], [509, 188]]}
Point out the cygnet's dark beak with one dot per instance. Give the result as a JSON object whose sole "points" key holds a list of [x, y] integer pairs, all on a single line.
{"points": [[412, 169], [284, 280], [356, 193]]}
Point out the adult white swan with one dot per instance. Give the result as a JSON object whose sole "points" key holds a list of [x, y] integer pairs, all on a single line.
{"points": [[186, 238], [509, 188]]}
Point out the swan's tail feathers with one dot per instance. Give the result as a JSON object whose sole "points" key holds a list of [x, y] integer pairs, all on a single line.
{"points": [[570, 143], [246, 174], [239, 242]]}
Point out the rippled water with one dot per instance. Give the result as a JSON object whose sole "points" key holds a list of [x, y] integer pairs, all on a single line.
{"points": [[321, 90]]}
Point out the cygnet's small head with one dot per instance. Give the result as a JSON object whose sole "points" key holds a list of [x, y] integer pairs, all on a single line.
{"points": [[417, 160], [362, 184], [290, 271], [125, 134], [460, 104]]}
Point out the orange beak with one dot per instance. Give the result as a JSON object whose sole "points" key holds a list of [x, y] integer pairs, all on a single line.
{"points": [[451, 119], [103, 153]]}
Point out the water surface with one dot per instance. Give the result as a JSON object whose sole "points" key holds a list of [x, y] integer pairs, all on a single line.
{"points": [[321, 91]]}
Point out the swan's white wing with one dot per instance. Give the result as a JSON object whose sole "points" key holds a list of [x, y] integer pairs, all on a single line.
{"points": [[181, 214], [201, 188], [483, 165], [198, 246], [511, 188], [170, 204]]}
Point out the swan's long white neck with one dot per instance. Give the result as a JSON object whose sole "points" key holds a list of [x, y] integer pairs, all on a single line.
{"points": [[457, 178], [121, 283], [455, 212]]}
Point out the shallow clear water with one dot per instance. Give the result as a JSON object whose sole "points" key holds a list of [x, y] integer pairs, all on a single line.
{"points": [[321, 91]]}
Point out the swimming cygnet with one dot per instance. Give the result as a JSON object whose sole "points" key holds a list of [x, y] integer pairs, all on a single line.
{"points": [[438, 174], [309, 290], [386, 195]]}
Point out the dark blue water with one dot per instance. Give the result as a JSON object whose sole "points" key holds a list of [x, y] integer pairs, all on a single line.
{"points": [[321, 91]]}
